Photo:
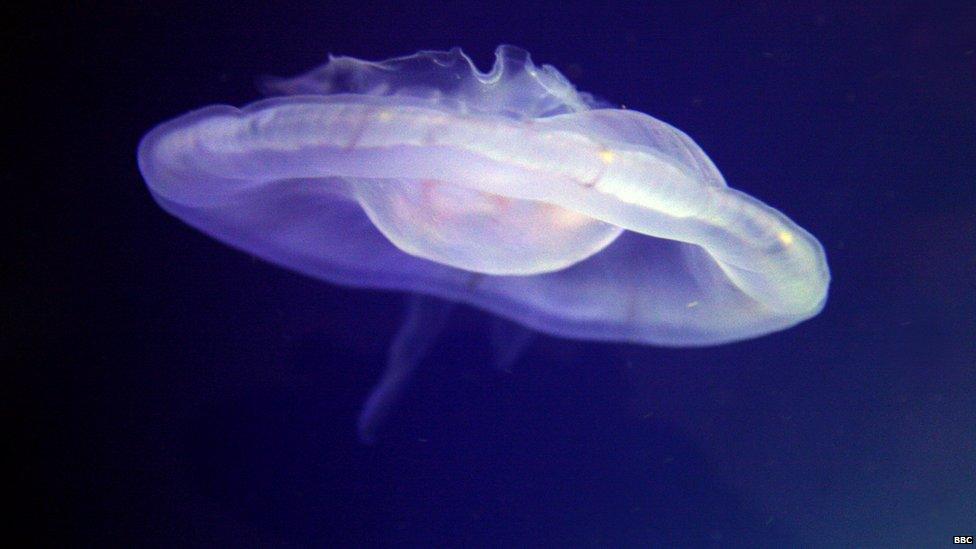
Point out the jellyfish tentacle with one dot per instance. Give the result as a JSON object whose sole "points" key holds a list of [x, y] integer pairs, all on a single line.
{"points": [[509, 342], [425, 318]]}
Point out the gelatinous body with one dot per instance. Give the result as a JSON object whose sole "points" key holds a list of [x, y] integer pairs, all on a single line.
{"points": [[510, 191], [505, 190]]}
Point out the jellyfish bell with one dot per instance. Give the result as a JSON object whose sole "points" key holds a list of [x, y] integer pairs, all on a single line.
{"points": [[507, 190]]}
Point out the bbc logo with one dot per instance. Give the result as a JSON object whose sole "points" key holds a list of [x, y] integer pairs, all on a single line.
{"points": [[968, 540]]}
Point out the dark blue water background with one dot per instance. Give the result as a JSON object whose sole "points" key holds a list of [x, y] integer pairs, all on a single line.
{"points": [[187, 394]]}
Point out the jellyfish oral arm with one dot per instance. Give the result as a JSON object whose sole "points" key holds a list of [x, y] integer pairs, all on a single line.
{"points": [[509, 341], [424, 321]]}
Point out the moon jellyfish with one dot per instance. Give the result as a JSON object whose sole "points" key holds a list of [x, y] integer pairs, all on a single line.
{"points": [[510, 191]]}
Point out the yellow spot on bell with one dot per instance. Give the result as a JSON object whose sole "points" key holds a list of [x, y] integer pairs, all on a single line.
{"points": [[607, 156], [785, 237]]}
